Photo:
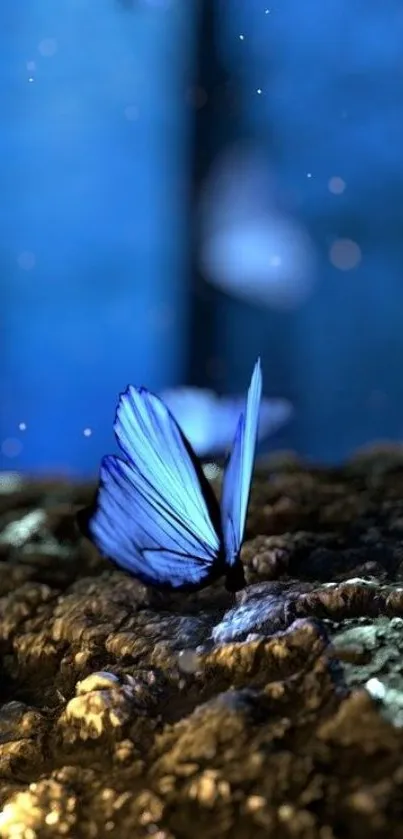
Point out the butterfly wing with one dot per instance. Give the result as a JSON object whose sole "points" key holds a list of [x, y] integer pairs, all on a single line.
{"points": [[210, 421], [156, 515], [195, 409], [238, 474], [272, 415]]}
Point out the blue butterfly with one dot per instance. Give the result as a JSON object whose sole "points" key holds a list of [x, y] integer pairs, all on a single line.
{"points": [[156, 515]]}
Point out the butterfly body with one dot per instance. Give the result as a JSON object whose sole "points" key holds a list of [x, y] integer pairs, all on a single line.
{"points": [[155, 514]]}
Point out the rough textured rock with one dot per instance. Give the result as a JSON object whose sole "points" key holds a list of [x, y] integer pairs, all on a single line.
{"points": [[276, 713]]}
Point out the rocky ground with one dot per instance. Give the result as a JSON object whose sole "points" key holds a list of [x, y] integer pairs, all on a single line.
{"points": [[278, 713]]}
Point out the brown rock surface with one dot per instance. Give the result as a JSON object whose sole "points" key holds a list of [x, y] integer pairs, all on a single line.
{"points": [[279, 713]]}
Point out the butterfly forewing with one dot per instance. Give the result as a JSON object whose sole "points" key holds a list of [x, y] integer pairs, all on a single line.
{"points": [[238, 474], [154, 445], [156, 514]]}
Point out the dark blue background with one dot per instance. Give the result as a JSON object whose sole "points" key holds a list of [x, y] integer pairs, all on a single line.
{"points": [[96, 246]]}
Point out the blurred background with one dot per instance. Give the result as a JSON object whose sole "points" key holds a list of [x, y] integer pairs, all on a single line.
{"points": [[186, 185]]}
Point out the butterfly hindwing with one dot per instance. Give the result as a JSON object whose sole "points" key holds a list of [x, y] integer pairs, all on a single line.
{"points": [[238, 474], [156, 514]]}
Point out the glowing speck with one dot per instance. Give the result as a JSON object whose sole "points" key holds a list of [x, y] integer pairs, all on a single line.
{"points": [[267, 11], [336, 185], [87, 432], [242, 37], [26, 260], [48, 47], [259, 90], [131, 113], [30, 79], [345, 254], [11, 447], [309, 174], [22, 426]]}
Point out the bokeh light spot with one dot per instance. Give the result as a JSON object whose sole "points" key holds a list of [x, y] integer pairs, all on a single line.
{"points": [[22, 426], [336, 185], [11, 447], [345, 254], [212, 471], [87, 432]]}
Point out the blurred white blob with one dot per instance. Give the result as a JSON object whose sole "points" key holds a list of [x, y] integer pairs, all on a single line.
{"points": [[249, 247], [212, 471], [209, 421], [376, 688], [18, 532]]}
